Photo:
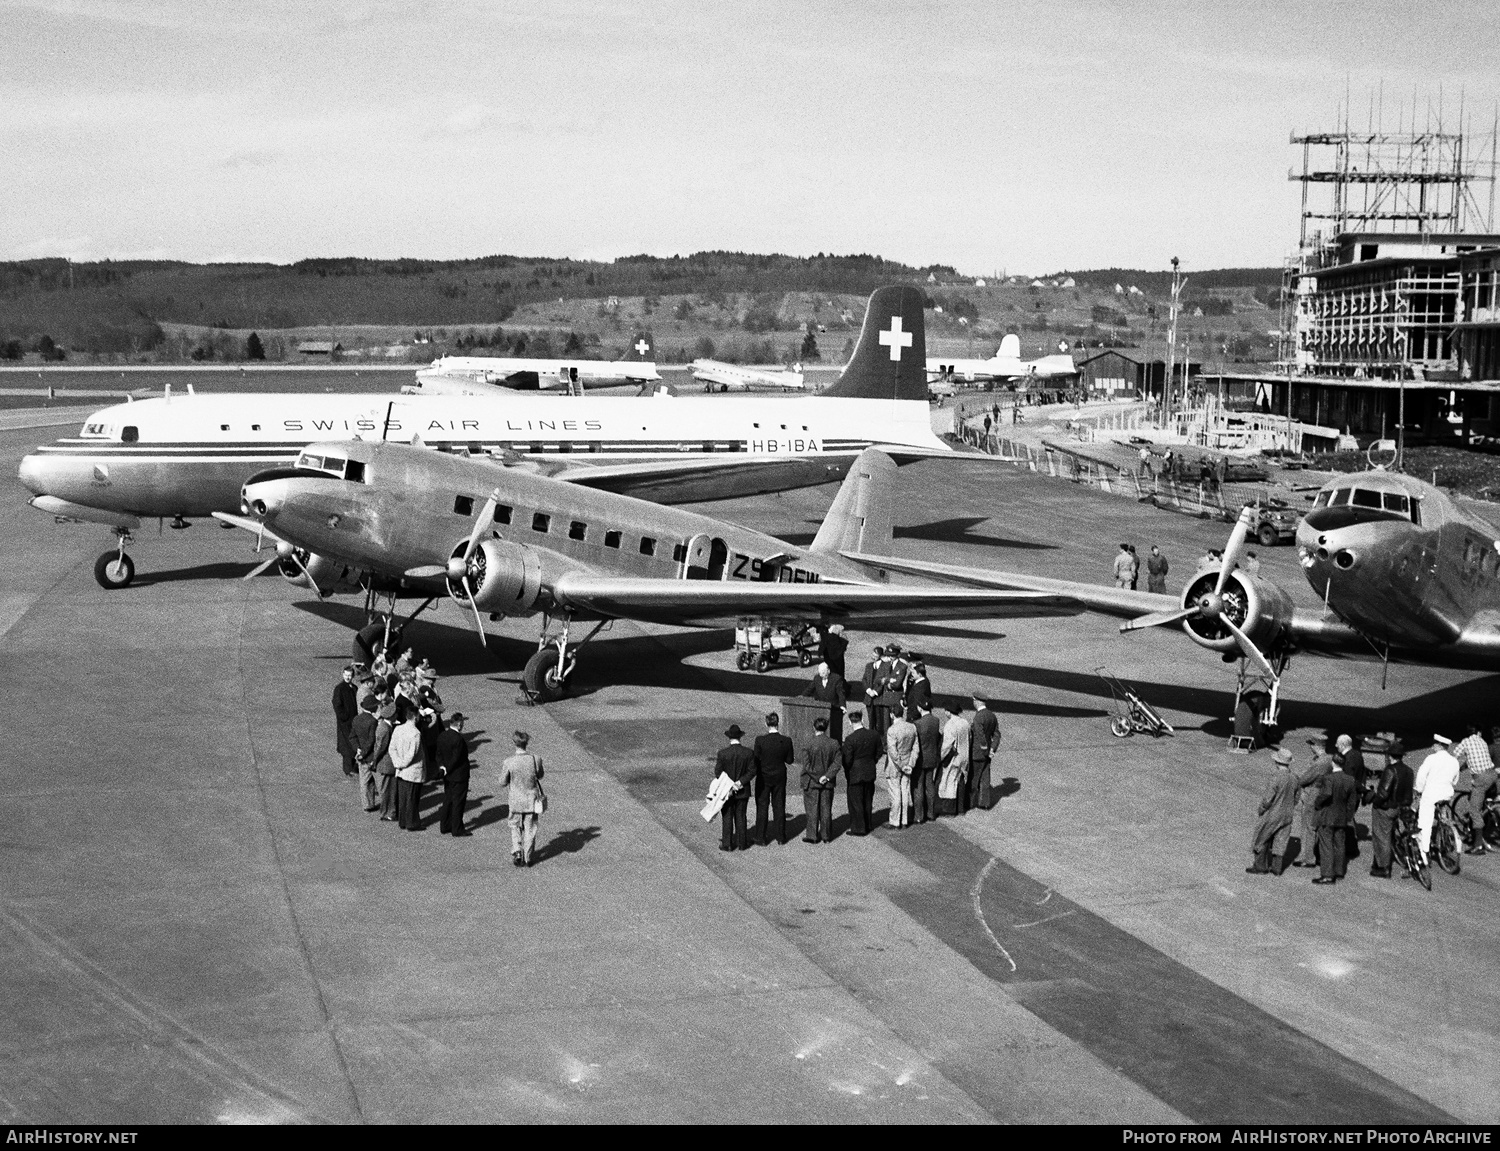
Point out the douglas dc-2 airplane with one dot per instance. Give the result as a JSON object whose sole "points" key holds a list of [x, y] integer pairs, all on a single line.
{"points": [[1005, 364], [722, 377], [355, 514], [188, 456], [1404, 573], [490, 375]]}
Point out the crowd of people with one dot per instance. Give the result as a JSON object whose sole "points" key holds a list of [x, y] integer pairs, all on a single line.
{"points": [[933, 762], [395, 740], [1322, 801]]}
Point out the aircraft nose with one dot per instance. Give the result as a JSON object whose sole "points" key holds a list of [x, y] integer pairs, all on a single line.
{"points": [[263, 499], [33, 474]]}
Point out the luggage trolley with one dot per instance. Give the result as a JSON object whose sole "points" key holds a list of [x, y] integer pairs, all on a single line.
{"points": [[763, 643], [1135, 713]]}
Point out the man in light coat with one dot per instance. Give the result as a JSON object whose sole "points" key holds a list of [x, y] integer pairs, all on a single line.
{"points": [[1273, 830], [953, 786], [900, 760], [522, 774], [406, 755]]}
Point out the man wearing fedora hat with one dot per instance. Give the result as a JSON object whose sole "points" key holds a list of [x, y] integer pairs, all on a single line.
{"points": [[738, 763], [453, 761], [1273, 830]]}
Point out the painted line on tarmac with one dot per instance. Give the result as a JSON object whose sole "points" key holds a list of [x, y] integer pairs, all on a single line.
{"points": [[1196, 1046]]}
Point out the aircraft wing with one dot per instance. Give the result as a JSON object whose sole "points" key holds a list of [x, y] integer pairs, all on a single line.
{"points": [[703, 601]]}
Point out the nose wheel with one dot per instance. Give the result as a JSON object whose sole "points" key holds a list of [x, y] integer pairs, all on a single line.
{"points": [[115, 569]]}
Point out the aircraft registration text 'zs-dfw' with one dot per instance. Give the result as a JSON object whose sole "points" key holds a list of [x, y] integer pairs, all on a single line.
{"points": [[187, 456], [489, 375]]}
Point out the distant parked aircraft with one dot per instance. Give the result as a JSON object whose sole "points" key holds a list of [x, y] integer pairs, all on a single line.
{"points": [[492, 375], [721, 377], [1005, 364]]}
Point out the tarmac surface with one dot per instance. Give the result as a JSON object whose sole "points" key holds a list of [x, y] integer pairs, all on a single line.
{"points": [[199, 924]]}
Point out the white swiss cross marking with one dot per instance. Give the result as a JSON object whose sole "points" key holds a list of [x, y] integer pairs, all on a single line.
{"points": [[641, 347], [895, 337]]}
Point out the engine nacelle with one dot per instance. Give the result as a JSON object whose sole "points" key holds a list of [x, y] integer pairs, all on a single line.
{"points": [[506, 578], [1258, 608], [329, 575]]}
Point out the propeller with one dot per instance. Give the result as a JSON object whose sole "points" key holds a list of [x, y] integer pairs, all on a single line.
{"points": [[1210, 606], [457, 570]]}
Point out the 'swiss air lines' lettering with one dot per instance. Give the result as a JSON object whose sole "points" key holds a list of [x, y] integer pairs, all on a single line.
{"points": [[554, 425], [359, 425], [772, 447], [453, 425]]}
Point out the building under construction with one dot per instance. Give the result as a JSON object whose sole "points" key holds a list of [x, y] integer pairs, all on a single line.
{"points": [[1390, 310]]}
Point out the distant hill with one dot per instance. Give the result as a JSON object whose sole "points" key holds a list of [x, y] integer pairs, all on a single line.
{"points": [[759, 307]]}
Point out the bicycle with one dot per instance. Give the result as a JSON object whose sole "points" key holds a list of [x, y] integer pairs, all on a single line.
{"points": [[1407, 851], [1488, 832], [1446, 844]]}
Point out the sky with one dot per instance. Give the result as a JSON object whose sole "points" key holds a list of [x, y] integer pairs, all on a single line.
{"points": [[1002, 135]]}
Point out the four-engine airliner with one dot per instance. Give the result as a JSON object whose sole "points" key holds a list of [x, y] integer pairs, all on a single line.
{"points": [[492, 375]]}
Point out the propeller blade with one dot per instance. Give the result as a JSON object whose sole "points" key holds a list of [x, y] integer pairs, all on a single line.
{"points": [[426, 571], [484, 638], [1251, 652], [258, 568], [1235, 545], [1159, 618], [302, 567], [481, 524]]}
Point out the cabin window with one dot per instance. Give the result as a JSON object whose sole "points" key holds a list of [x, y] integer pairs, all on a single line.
{"points": [[129, 434], [565, 446], [255, 427], [354, 472], [612, 539], [595, 446], [577, 530], [502, 513], [708, 445], [535, 448], [541, 522], [1396, 502], [679, 553], [1364, 498], [648, 546], [1340, 497], [1322, 499], [463, 505], [223, 427]]}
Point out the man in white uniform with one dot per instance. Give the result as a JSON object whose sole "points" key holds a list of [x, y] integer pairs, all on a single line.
{"points": [[1435, 780]]}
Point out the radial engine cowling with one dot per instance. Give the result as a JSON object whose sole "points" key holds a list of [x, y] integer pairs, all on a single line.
{"points": [[506, 578], [330, 575], [1258, 608]]}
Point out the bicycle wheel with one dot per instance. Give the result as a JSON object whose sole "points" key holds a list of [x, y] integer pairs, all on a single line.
{"points": [[1445, 843], [1422, 874]]}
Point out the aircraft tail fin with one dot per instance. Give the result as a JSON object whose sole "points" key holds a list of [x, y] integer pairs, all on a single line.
{"points": [[860, 518], [890, 359], [642, 348], [1010, 348]]}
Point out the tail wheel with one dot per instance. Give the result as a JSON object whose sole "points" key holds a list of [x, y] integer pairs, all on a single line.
{"points": [[114, 570], [540, 676], [1119, 727]]}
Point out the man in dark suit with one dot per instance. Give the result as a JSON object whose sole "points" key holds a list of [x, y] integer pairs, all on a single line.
{"points": [[773, 752], [826, 687], [873, 682], [1392, 796], [1334, 807], [859, 754], [833, 647], [918, 691], [738, 763], [452, 751], [984, 741], [345, 709], [924, 778], [821, 759], [1309, 784]]}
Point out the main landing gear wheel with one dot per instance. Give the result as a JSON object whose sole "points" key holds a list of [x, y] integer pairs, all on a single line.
{"points": [[114, 570], [540, 678]]}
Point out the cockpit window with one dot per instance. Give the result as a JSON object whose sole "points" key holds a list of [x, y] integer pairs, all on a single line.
{"points": [[1364, 498], [354, 472], [333, 465], [1340, 496], [1321, 499], [1396, 502]]}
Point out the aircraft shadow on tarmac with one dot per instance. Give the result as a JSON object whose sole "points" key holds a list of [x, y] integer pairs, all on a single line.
{"points": [[223, 571], [957, 530], [1419, 715]]}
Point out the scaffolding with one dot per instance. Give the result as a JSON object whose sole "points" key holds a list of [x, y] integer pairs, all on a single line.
{"points": [[1374, 287]]}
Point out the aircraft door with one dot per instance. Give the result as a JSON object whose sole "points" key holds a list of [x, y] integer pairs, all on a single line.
{"points": [[718, 559], [696, 565]]}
